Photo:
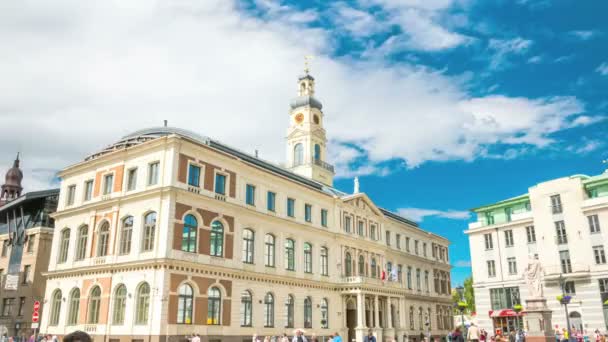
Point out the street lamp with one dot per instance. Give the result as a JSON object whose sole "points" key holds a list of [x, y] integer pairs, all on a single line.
{"points": [[565, 300], [461, 305]]}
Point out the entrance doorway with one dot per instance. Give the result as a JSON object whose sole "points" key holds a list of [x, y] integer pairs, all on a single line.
{"points": [[351, 319], [576, 321]]}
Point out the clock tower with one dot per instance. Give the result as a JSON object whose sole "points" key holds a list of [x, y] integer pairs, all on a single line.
{"points": [[306, 139]]}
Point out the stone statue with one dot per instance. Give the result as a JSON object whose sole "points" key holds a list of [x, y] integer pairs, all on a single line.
{"points": [[532, 276]]}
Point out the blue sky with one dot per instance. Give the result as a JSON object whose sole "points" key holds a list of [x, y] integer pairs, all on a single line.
{"points": [[437, 105]]}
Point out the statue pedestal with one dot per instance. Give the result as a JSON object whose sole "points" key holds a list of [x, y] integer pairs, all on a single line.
{"points": [[538, 321]]}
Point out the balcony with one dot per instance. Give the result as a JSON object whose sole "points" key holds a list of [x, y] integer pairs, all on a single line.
{"points": [[595, 202], [568, 270], [220, 197], [315, 161]]}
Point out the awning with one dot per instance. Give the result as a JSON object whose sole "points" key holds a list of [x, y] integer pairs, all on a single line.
{"points": [[504, 313]]}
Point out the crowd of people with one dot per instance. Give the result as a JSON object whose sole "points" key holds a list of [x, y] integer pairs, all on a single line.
{"points": [[475, 334], [298, 336], [76, 336]]}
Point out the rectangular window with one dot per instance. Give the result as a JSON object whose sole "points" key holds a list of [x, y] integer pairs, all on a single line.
{"points": [[504, 297], [488, 241], [398, 240], [569, 288], [271, 198], [291, 207], [407, 244], [26, 274], [347, 223], [131, 179], [508, 238], [564, 259], [508, 214], [361, 228], [556, 204], [7, 306], [324, 217], [561, 237], [88, 190], [424, 249], [308, 212], [388, 238], [108, 183], [71, 194], [603, 285], [512, 266], [416, 247], [21, 310], [372, 232], [594, 224], [220, 184], [409, 277], [194, 175], [250, 194], [31, 241], [491, 268], [531, 234], [153, 169], [600, 256], [489, 218]]}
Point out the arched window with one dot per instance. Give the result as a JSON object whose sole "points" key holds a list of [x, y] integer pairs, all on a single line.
{"points": [[324, 313], [104, 239], [184, 304], [55, 308], [317, 152], [217, 238], [348, 265], [289, 310], [142, 304], [361, 265], [268, 310], [189, 234], [269, 250], [246, 308], [307, 312], [147, 243], [290, 260], [412, 327], [81, 245], [126, 232], [214, 298], [324, 261], [93, 306], [73, 307], [248, 245], [315, 119], [298, 155], [120, 304], [307, 257], [374, 273], [64, 246]]}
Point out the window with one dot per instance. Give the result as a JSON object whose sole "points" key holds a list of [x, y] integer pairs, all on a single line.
{"points": [[569, 288], [88, 190], [271, 201], [564, 258], [388, 238], [269, 250], [120, 305], [217, 239], [142, 304], [64, 246], [126, 233], [416, 247], [489, 217], [307, 312], [220, 184], [194, 175], [290, 262], [347, 223], [81, 246], [409, 277], [374, 268], [93, 305], [348, 265], [248, 245], [426, 281], [324, 313], [291, 207], [307, 257], [531, 234], [512, 265], [55, 308], [360, 228], [361, 265], [246, 308], [508, 238], [73, 307], [556, 204], [424, 249], [184, 304], [600, 256], [21, 310], [308, 212], [250, 194], [398, 241], [214, 298], [149, 232], [324, 261], [594, 224], [488, 241], [289, 310], [31, 241], [491, 268], [131, 179], [324, 217], [317, 147], [560, 229], [108, 183], [153, 173], [71, 194], [189, 233], [508, 214], [603, 285], [504, 297], [407, 244], [104, 239], [7, 306], [298, 155], [418, 287], [372, 232], [268, 310]]}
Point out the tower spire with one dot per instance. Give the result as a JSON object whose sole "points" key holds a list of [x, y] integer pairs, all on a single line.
{"points": [[12, 188]]}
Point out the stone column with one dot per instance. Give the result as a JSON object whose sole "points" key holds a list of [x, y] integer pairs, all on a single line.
{"points": [[376, 309], [360, 310], [344, 324]]}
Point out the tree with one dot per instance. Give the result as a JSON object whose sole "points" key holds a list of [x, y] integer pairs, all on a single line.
{"points": [[469, 296]]}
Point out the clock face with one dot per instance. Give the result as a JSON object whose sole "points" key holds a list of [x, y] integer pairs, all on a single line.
{"points": [[299, 118]]}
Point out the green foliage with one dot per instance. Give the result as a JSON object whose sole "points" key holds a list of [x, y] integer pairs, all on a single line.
{"points": [[469, 297]]}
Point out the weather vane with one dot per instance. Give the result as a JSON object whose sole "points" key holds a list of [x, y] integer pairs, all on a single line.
{"points": [[307, 60]]}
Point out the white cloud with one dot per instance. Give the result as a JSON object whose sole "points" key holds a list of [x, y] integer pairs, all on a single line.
{"points": [[503, 49], [603, 69], [357, 22], [535, 60], [73, 83], [418, 214], [583, 34]]}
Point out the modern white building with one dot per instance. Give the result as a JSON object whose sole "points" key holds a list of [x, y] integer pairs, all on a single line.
{"points": [[564, 223]]}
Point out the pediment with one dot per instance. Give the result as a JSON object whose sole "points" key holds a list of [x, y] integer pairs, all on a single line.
{"points": [[363, 203]]}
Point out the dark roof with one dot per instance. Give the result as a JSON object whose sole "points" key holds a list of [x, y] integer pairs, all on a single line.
{"points": [[306, 100], [24, 199], [398, 217]]}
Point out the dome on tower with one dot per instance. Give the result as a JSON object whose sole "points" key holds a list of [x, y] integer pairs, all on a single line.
{"points": [[14, 175], [306, 100]]}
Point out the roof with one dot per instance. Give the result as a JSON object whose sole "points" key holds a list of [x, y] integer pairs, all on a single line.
{"points": [[306, 100], [23, 199], [508, 201]]}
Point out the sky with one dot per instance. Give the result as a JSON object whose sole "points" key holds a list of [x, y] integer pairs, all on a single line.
{"points": [[438, 106]]}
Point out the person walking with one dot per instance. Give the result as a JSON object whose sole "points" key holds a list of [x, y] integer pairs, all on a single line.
{"points": [[335, 337], [299, 337], [473, 333], [370, 336]]}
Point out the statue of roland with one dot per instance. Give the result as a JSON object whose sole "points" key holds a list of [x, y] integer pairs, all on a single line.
{"points": [[532, 276]]}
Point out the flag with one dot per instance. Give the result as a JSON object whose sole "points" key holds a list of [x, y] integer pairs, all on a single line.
{"points": [[383, 275]]}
